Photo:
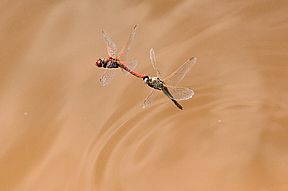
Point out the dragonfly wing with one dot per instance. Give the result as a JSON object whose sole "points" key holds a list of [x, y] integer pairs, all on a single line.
{"points": [[111, 46], [125, 50], [178, 93], [179, 74], [107, 76], [132, 64], [153, 62], [169, 95], [149, 99]]}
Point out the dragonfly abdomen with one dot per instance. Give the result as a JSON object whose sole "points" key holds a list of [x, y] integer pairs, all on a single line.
{"points": [[168, 94], [124, 67]]}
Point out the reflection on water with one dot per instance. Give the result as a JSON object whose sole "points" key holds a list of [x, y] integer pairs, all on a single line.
{"points": [[60, 130]]}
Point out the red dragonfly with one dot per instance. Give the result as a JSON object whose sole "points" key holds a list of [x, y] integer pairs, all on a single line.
{"points": [[115, 59], [169, 84]]}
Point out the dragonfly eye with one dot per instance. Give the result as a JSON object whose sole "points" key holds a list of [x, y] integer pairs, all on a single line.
{"points": [[99, 63], [146, 78]]}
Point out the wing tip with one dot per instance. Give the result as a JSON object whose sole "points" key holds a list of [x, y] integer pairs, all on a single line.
{"points": [[102, 31], [193, 58], [135, 26]]}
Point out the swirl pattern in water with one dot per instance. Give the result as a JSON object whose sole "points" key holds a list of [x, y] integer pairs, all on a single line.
{"points": [[61, 130]]}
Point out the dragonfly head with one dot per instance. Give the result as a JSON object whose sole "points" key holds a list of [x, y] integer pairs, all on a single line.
{"points": [[146, 79], [100, 62]]}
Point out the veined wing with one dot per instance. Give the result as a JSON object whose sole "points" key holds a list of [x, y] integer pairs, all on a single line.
{"points": [[148, 100], [107, 76], [179, 74], [125, 50], [111, 46], [178, 93], [153, 62]]}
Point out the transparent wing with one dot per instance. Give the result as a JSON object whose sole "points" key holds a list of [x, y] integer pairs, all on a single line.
{"points": [[108, 75], [111, 46], [179, 74], [178, 93], [132, 64], [125, 50], [149, 99], [153, 62]]}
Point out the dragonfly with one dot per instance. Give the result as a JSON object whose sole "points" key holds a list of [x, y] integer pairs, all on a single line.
{"points": [[169, 85], [116, 59]]}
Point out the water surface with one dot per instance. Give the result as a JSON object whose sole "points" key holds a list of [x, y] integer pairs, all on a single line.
{"points": [[60, 130]]}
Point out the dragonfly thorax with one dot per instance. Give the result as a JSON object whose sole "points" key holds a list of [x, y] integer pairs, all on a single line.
{"points": [[154, 82], [111, 63], [108, 63]]}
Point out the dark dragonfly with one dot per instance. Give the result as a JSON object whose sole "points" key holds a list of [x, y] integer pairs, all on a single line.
{"points": [[169, 84]]}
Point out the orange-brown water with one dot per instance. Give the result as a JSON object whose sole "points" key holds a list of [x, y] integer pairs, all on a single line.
{"points": [[60, 130]]}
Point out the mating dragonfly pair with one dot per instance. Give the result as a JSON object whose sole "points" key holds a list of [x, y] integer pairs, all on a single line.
{"points": [[168, 85]]}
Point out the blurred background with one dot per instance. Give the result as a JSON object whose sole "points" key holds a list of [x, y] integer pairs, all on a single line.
{"points": [[60, 130]]}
